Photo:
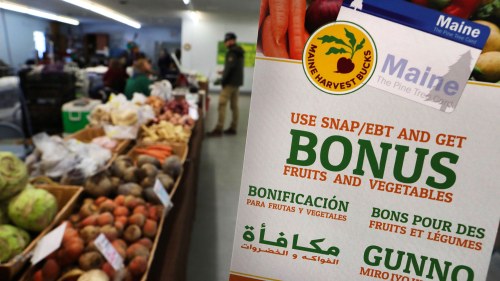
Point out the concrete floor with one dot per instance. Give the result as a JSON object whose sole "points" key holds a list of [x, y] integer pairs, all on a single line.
{"points": [[218, 192]]}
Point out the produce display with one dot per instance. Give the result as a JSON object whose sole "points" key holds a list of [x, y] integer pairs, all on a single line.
{"points": [[24, 210], [165, 131], [122, 118], [128, 222], [285, 25], [119, 199]]}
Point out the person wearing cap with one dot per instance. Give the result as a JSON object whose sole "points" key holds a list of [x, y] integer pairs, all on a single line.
{"points": [[232, 79]]}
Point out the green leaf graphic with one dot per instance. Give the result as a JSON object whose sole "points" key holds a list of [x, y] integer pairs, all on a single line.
{"points": [[335, 51], [352, 39], [332, 39], [360, 45]]}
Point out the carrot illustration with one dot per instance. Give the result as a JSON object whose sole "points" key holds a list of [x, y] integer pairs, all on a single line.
{"points": [[296, 28], [271, 47], [264, 10], [278, 9]]}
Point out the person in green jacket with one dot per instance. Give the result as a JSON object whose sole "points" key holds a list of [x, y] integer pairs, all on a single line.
{"points": [[139, 82]]}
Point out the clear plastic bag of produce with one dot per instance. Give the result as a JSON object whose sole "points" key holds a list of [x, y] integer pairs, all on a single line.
{"points": [[57, 158]]}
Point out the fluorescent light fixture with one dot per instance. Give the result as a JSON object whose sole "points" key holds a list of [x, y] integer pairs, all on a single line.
{"points": [[37, 13], [186, 2], [105, 11]]}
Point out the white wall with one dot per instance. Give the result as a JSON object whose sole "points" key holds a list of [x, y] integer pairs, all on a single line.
{"points": [[204, 35], [17, 29]]}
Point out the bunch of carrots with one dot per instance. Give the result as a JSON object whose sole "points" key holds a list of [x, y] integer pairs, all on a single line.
{"points": [[158, 151], [281, 24]]}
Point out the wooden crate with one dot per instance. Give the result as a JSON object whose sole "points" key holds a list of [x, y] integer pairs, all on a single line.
{"points": [[66, 197], [28, 275], [179, 149], [88, 134]]}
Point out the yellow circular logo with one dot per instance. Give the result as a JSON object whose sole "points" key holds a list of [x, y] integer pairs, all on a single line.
{"points": [[339, 58]]}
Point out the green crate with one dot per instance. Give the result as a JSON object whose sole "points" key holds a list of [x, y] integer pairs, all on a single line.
{"points": [[75, 114]]}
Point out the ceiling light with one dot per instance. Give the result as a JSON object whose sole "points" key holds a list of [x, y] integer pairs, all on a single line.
{"points": [[105, 11], [37, 13], [186, 2], [195, 16]]}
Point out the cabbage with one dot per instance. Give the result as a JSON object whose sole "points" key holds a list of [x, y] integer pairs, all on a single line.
{"points": [[13, 175]]}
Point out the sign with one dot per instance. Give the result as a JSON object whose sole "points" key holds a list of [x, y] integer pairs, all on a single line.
{"points": [[360, 180], [250, 51], [109, 252], [162, 195], [48, 244]]}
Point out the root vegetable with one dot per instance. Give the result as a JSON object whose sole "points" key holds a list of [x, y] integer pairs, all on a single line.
{"points": [[137, 219], [130, 189], [138, 266], [99, 185], [110, 232], [296, 28], [137, 250], [105, 218], [91, 260], [321, 12], [130, 174], [107, 206], [121, 211], [94, 275], [172, 166], [146, 242], [270, 46], [89, 233], [167, 181], [150, 195], [51, 270], [148, 182], [150, 228], [132, 233], [279, 12], [145, 159]]}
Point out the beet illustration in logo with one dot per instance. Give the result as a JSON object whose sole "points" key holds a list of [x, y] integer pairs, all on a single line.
{"points": [[344, 64]]}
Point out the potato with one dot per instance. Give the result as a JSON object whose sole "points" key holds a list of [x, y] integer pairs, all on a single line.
{"points": [[493, 27], [493, 43], [488, 65]]}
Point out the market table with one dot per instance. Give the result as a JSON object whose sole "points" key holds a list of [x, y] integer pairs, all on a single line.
{"points": [[170, 262]]}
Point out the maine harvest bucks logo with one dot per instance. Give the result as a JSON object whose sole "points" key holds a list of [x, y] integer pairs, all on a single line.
{"points": [[340, 58]]}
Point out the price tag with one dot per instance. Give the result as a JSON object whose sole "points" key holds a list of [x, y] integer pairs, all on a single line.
{"points": [[162, 195], [48, 244], [109, 252]]}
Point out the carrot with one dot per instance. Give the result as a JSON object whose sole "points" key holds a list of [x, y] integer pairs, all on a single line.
{"points": [[271, 47], [306, 35], [278, 9], [159, 156], [264, 10], [159, 147], [296, 28]]}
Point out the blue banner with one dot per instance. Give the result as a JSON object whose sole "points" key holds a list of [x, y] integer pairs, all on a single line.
{"points": [[424, 19]]}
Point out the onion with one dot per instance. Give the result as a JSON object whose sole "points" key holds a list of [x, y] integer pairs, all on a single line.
{"points": [[321, 12]]}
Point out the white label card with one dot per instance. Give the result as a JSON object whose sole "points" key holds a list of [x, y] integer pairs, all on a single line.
{"points": [[48, 244], [162, 194], [109, 252]]}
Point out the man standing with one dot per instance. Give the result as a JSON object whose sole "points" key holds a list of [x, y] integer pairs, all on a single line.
{"points": [[232, 79]]}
